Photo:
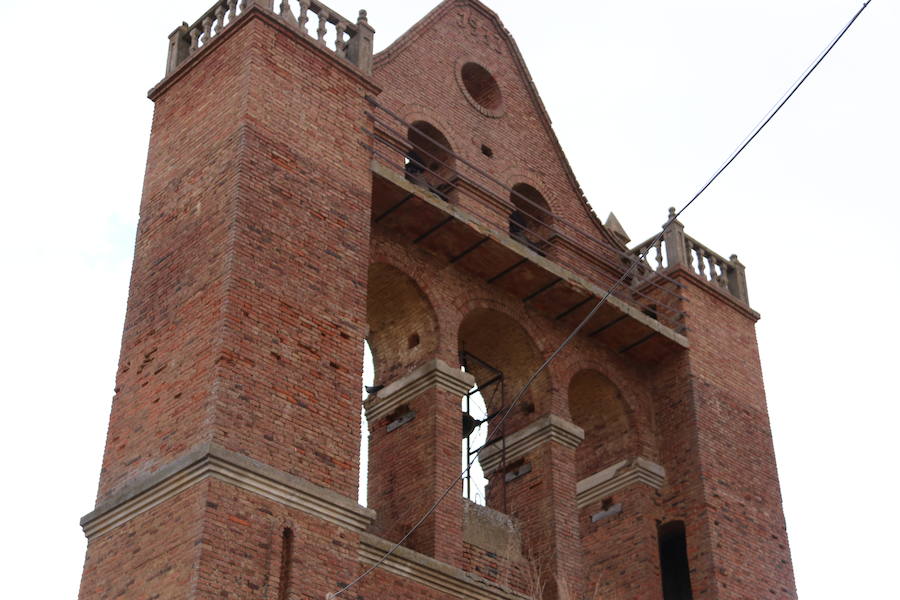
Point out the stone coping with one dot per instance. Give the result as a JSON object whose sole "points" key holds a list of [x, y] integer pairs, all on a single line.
{"points": [[210, 460], [610, 480], [523, 441], [430, 572], [434, 373], [491, 530]]}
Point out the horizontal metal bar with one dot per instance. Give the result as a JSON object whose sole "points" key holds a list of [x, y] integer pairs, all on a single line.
{"points": [[531, 297], [569, 311], [608, 325], [468, 250], [394, 207], [637, 343], [507, 271], [432, 230]]}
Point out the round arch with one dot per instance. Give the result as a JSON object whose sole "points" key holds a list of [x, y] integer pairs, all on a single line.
{"points": [[403, 326], [597, 406], [531, 220]]}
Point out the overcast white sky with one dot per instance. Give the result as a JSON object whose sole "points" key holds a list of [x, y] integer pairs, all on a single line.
{"points": [[648, 98]]}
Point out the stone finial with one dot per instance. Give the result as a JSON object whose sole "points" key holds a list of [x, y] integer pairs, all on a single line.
{"points": [[612, 223], [361, 45], [179, 47], [737, 280], [673, 237]]}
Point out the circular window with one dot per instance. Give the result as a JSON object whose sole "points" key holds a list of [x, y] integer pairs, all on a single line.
{"points": [[481, 89]]}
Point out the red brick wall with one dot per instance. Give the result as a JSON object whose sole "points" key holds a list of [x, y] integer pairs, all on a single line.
{"points": [[621, 557], [246, 318], [732, 471], [154, 554], [246, 314]]}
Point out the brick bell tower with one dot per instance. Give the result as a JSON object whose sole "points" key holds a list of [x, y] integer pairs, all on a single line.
{"points": [[302, 196]]}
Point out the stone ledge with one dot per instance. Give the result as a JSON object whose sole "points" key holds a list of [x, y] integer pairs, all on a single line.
{"points": [[430, 572], [434, 373], [491, 530], [212, 461], [604, 483], [520, 443]]}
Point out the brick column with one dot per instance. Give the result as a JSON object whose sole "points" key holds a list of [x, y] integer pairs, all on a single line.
{"points": [[616, 509], [415, 432], [537, 468]]}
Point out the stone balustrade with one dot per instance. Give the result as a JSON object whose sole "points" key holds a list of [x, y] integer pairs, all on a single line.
{"points": [[677, 248], [349, 41]]}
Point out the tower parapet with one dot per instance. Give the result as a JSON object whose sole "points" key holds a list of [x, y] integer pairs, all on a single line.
{"points": [[348, 40]]}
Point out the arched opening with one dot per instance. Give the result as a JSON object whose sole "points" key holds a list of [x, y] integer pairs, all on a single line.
{"points": [[403, 328], [403, 333], [501, 356], [530, 221], [673, 561], [597, 406], [430, 161], [368, 379]]}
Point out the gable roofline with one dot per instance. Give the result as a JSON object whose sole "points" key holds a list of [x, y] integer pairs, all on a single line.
{"points": [[418, 29]]}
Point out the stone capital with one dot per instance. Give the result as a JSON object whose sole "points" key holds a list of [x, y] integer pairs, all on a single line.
{"points": [[518, 444], [433, 374], [603, 484]]}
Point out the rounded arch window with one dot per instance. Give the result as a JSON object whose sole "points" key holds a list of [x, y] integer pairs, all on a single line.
{"points": [[430, 162], [531, 221], [480, 89]]}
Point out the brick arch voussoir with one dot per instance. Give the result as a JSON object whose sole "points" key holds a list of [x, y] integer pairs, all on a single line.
{"points": [[425, 278], [416, 112], [636, 410], [510, 177], [466, 305]]}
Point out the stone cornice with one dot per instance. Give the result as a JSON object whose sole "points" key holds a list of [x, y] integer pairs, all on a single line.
{"points": [[434, 373], [604, 483], [430, 572], [518, 444], [212, 461]]}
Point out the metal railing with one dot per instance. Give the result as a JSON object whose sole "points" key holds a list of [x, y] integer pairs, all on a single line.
{"points": [[452, 178]]}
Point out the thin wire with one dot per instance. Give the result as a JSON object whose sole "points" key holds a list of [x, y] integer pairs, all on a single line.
{"points": [[499, 427]]}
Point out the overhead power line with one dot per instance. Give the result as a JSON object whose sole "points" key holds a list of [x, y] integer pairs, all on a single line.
{"points": [[499, 427]]}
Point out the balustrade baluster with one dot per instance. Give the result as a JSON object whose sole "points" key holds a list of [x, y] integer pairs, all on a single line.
{"points": [[320, 30], [340, 46], [701, 268], [232, 10], [207, 30], [286, 14], [659, 255], [220, 18], [304, 15], [723, 274], [195, 39]]}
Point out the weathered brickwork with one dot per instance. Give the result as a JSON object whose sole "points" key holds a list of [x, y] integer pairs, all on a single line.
{"points": [[295, 205]]}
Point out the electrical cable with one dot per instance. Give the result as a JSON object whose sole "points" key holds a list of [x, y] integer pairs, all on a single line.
{"points": [[759, 127]]}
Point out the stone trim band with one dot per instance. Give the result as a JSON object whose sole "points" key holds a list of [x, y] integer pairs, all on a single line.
{"points": [[604, 483], [213, 461], [434, 373], [430, 572], [523, 441]]}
